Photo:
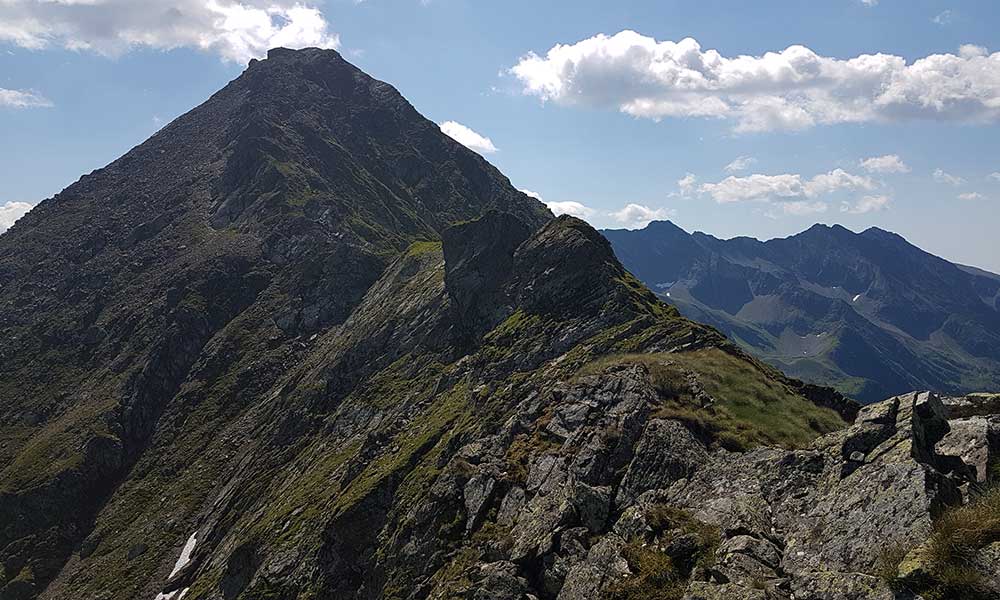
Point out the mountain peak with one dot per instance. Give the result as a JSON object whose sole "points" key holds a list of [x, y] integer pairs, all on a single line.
{"points": [[876, 233], [823, 228], [660, 225], [280, 52]]}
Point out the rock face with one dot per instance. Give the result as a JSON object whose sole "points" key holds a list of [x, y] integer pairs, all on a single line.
{"points": [[867, 313], [302, 345]]}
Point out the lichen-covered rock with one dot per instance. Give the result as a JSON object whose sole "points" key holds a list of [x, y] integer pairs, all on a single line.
{"points": [[975, 441], [666, 452]]}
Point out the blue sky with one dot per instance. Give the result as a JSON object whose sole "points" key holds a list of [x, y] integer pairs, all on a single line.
{"points": [[618, 129]]}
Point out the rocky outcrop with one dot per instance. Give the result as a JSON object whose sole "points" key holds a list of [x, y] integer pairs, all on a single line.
{"points": [[809, 523]]}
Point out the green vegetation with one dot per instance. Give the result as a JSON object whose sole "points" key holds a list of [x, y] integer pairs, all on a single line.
{"points": [[750, 407], [422, 247], [53, 448], [661, 569], [943, 567], [416, 440], [454, 577], [644, 300], [525, 446]]}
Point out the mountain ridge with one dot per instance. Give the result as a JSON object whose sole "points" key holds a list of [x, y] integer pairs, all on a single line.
{"points": [[934, 316]]}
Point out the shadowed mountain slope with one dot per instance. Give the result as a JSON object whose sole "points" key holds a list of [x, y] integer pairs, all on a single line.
{"points": [[868, 313]]}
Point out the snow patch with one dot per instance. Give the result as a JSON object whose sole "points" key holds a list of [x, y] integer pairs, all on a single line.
{"points": [[170, 595], [184, 558]]}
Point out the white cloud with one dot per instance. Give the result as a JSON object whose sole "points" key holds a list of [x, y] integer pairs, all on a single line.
{"points": [[569, 207], [942, 177], [869, 2], [866, 204], [468, 138], [837, 179], [237, 30], [786, 186], [754, 187], [943, 18], [12, 211], [971, 196], [791, 194], [890, 163], [741, 163], [972, 51], [995, 175], [686, 184], [637, 216], [794, 88], [22, 98]]}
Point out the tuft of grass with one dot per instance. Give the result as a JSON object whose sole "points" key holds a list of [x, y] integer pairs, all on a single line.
{"points": [[655, 574], [751, 408], [946, 560], [526, 445], [454, 578], [887, 563]]}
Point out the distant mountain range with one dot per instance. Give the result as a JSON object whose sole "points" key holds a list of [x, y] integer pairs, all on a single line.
{"points": [[868, 313]]}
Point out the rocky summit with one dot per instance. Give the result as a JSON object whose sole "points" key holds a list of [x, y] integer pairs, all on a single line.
{"points": [[302, 345]]}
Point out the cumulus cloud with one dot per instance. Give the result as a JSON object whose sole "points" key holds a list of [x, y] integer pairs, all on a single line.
{"points": [[686, 184], [576, 209], [754, 187], [792, 194], [794, 88], [22, 98], [890, 163], [468, 138], [866, 204], [971, 196], [741, 163], [941, 177], [785, 186], [995, 176], [869, 2], [10, 212], [637, 216], [570, 208], [237, 30]]}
